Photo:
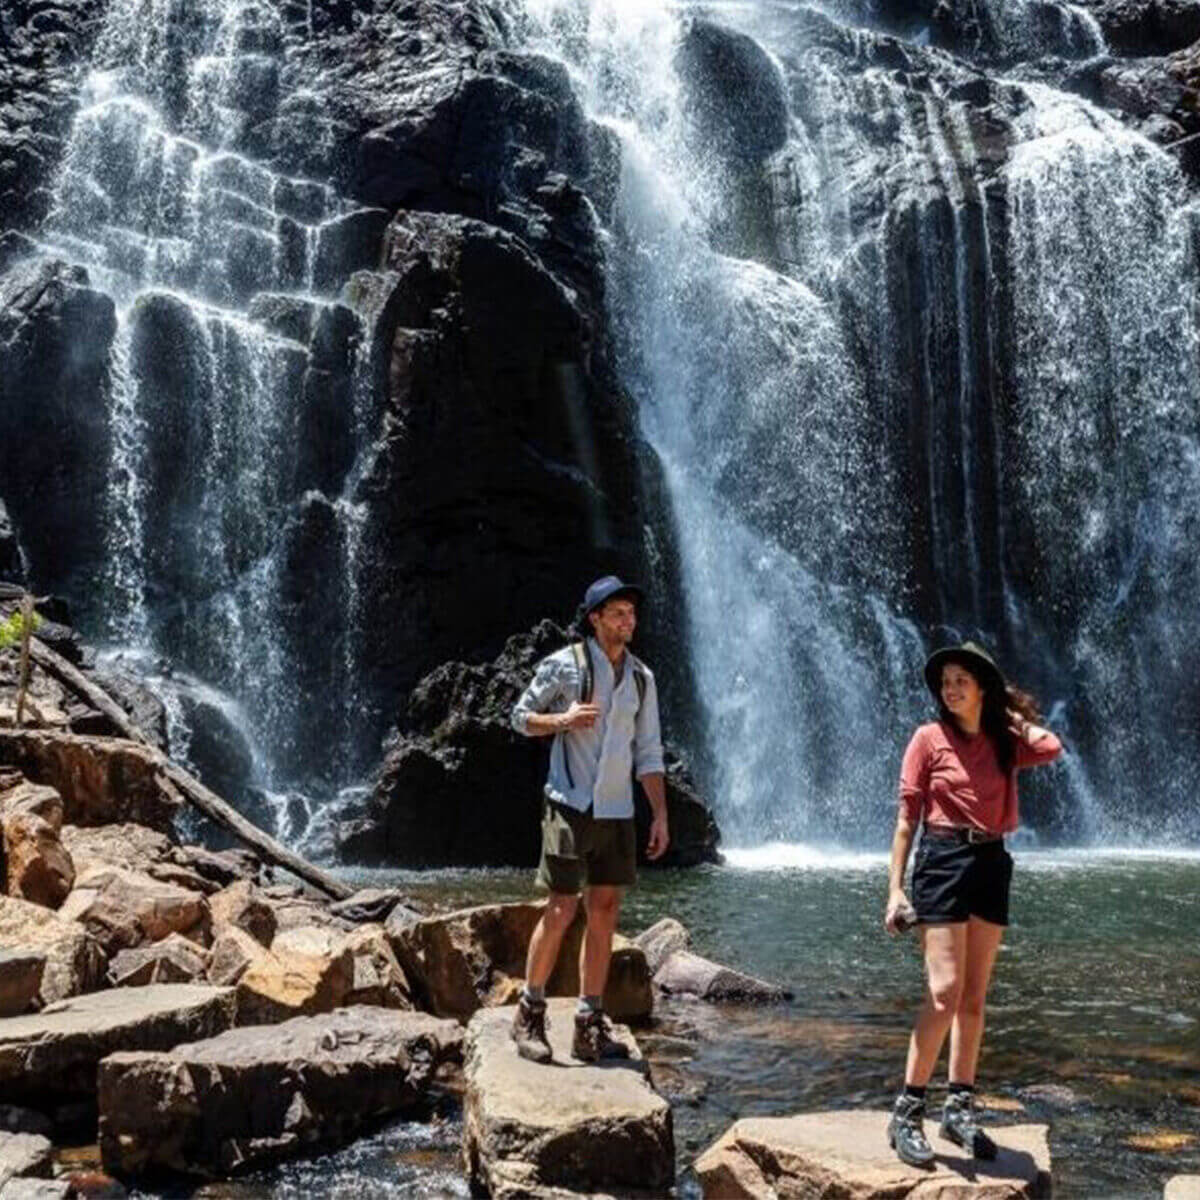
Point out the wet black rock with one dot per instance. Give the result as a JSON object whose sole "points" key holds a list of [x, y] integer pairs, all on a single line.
{"points": [[459, 786], [506, 454], [737, 98], [12, 568], [1146, 27], [43, 47], [55, 334]]}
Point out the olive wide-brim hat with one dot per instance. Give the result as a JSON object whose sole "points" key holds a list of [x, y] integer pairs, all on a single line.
{"points": [[975, 656]]}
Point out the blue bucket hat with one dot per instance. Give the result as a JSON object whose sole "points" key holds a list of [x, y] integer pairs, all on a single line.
{"points": [[608, 587]]}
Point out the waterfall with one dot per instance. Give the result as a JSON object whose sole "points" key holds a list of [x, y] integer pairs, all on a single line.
{"points": [[220, 268], [946, 387]]}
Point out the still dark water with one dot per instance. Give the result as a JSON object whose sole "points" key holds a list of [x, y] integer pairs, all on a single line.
{"points": [[1093, 1023]]}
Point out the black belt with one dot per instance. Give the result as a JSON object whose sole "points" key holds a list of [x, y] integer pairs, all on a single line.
{"points": [[963, 834]]}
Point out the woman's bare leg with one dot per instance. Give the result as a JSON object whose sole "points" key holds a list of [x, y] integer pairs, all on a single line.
{"points": [[945, 948], [966, 1031]]}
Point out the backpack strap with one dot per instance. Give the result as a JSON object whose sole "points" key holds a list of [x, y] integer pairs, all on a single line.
{"points": [[639, 679], [582, 654]]}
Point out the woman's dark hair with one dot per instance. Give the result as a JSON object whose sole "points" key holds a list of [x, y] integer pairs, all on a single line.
{"points": [[994, 720]]}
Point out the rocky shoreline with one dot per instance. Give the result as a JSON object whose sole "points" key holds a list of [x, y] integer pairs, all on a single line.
{"points": [[196, 1014]]}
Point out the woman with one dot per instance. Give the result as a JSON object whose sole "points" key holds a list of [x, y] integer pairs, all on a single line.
{"points": [[959, 778]]}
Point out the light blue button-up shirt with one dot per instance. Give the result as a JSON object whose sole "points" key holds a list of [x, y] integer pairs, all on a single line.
{"points": [[625, 739]]}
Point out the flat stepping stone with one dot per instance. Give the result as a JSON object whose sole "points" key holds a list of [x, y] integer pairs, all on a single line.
{"points": [[261, 1093], [24, 1154], [531, 1129], [846, 1153], [54, 1053]]}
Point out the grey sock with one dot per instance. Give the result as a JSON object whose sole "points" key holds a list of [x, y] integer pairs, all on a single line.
{"points": [[534, 995], [590, 1004]]}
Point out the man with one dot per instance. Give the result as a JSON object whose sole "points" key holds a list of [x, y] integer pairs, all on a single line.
{"points": [[601, 740]]}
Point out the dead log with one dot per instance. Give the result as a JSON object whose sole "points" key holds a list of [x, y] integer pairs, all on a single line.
{"points": [[192, 790]]}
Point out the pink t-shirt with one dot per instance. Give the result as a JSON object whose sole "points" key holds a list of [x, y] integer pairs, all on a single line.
{"points": [[948, 778]]}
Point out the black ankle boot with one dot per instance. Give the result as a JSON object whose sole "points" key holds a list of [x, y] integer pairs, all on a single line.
{"points": [[906, 1132], [959, 1127]]}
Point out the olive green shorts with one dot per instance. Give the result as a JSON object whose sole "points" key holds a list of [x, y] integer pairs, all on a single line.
{"points": [[579, 851]]}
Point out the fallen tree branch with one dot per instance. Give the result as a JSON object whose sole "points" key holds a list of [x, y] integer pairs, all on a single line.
{"points": [[211, 805], [189, 787], [54, 664]]}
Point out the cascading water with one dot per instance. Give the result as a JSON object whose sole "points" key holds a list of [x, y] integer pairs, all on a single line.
{"points": [[219, 266], [956, 394]]}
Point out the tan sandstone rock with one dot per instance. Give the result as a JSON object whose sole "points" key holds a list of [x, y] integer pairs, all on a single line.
{"points": [[254, 1095], [101, 780], [122, 909], [20, 980], [232, 954], [55, 1052], [241, 904], [461, 961], [172, 960], [378, 976], [287, 983], [125, 844], [531, 1130], [36, 865], [847, 1154], [73, 961]]}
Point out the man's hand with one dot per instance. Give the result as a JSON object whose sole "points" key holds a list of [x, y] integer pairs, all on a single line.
{"points": [[660, 839], [579, 716]]}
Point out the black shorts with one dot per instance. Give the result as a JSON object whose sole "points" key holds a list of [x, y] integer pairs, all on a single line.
{"points": [[955, 880]]}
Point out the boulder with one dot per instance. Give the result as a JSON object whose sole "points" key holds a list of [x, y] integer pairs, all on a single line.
{"points": [[369, 904], [121, 844], [294, 908], [25, 1188], [20, 980], [172, 960], [736, 96], [460, 961], [661, 940], [458, 786], [687, 974], [122, 909], [316, 977], [530, 1129], [53, 1054], [378, 976], [73, 960], [255, 1095], [37, 867], [101, 780], [34, 799], [143, 706], [1182, 1187], [24, 1154], [222, 867], [846, 1153], [243, 906], [232, 954]]}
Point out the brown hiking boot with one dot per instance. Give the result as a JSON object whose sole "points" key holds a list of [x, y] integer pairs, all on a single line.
{"points": [[592, 1040], [529, 1032]]}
